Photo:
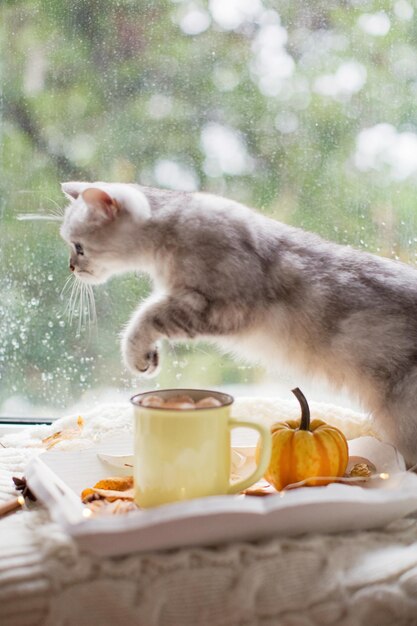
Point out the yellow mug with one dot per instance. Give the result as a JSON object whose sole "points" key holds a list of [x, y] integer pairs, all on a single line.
{"points": [[183, 454]]}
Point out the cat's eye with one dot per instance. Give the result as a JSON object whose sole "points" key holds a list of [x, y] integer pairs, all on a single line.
{"points": [[78, 248]]}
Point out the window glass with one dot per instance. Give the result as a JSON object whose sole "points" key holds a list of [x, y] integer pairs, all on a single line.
{"points": [[304, 110]]}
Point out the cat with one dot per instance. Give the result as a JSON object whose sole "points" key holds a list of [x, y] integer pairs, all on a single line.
{"points": [[256, 287]]}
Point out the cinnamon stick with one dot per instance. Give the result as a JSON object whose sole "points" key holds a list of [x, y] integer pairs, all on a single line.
{"points": [[11, 505]]}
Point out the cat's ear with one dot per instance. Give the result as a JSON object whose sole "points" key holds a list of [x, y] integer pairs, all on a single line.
{"points": [[73, 189], [100, 202]]}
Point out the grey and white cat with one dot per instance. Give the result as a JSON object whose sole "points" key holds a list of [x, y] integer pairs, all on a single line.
{"points": [[256, 287]]}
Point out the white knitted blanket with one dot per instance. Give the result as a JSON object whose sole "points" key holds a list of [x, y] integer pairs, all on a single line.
{"points": [[351, 579]]}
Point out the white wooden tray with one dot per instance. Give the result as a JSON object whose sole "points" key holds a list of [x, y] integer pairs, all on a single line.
{"points": [[57, 478]]}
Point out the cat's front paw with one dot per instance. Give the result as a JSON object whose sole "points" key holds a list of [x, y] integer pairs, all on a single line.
{"points": [[145, 363]]}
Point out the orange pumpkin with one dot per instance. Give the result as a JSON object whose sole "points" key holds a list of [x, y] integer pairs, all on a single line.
{"points": [[303, 450]]}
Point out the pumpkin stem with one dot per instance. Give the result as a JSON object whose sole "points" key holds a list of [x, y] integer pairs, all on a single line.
{"points": [[305, 409]]}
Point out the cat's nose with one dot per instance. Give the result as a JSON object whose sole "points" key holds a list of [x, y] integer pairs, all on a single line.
{"points": [[71, 266]]}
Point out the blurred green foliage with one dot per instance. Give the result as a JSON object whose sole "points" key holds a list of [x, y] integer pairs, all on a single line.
{"points": [[266, 102]]}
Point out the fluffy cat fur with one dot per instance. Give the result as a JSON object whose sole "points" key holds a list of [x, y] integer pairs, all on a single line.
{"points": [[254, 286]]}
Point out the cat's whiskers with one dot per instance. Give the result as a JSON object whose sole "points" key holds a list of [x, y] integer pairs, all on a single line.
{"points": [[55, 213], [86, 308], [59, 210], [73, 299], [81, 313], [39, 217], [90, 308], [52, 214], [91, 305], [66, 287], [81, 303]]}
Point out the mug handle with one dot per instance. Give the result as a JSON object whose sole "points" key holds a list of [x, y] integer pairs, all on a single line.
{"points": [[265, 453]]}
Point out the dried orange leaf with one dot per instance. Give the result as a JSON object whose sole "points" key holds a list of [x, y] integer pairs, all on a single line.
{"points": [[64, 435], [86, 492], [52, 439], [117, 483], [111, 494]]}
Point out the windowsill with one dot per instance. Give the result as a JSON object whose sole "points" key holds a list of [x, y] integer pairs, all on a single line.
{"points": [[5, 429], [12, 424]]}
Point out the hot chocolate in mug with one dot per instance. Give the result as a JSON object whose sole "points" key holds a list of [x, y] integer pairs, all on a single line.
{"points": [[184, 454]]}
